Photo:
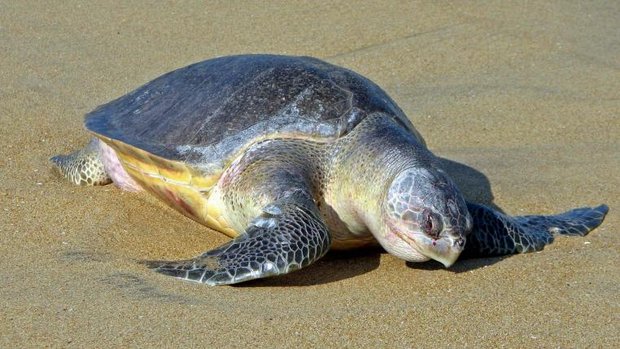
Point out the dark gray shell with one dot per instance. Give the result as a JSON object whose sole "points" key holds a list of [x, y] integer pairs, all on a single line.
{"points": [[206, 112]]}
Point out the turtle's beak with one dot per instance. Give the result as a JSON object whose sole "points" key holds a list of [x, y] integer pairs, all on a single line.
{"points": [[446, 250]]}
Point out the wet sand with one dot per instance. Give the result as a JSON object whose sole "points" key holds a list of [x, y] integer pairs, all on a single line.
{"points": [[526, 98]]}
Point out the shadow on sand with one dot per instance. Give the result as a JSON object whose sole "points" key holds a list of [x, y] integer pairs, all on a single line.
{"points": [[335, 266], [474, 185]]}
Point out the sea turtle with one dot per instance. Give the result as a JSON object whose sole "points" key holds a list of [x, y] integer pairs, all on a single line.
{"points": [[291, 156]]}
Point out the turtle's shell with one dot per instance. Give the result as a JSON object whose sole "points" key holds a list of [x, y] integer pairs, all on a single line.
{"points": [[206, 112], [178, 133]]}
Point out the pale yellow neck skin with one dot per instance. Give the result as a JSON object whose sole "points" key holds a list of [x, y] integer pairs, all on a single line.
{"points": [[364, 164]]}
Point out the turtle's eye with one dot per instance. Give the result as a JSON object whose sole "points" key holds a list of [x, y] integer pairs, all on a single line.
{"points": [[431, 224]]}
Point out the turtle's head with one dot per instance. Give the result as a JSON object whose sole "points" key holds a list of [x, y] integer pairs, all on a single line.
{"points": [[426, 217]]}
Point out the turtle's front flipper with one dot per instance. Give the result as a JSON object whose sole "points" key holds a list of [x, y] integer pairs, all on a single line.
{"points": [[287, 236], [496, 234], [83, 167]]}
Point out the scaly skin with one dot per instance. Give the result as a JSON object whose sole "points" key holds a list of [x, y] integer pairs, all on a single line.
{"points": [[84, 166]]}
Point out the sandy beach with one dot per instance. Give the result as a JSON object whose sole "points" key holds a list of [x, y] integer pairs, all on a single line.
{"points": [[523, 98]]}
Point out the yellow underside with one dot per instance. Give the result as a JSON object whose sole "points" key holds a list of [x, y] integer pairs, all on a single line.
{"points": [[179, 186]]}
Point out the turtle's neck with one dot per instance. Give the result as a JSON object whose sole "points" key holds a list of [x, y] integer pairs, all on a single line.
{"points": [[363, 165]]}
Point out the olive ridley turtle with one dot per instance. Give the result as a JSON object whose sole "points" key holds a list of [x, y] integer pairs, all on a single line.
{"points": [[292, 156]]}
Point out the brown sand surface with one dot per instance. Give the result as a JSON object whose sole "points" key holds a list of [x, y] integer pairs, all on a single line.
{"points": [[525, 93]]}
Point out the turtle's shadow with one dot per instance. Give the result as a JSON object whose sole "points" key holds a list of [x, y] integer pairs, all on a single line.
{"points": [[335, 266], [340, 265], [343, 265], [473, 184]]}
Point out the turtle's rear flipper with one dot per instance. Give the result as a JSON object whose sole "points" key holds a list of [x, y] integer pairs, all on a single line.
{"points": [[288, 236], [83, 167], [496, 234]]}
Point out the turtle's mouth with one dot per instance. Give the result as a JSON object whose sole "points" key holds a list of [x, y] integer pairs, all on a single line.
{"points": [[446, 250]]}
